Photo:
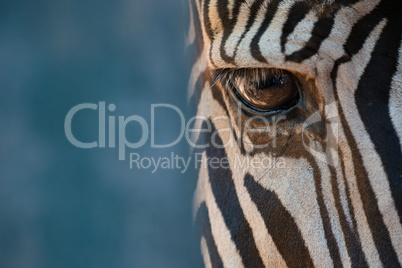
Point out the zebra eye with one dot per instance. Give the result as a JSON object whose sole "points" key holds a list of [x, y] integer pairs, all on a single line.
{"points": [[264, 90]]}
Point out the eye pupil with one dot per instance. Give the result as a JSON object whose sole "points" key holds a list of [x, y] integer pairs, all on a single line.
{"points": [[266, 83], [277, 78]]}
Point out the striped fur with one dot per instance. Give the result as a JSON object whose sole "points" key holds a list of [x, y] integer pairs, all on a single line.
{"points": [[341, 211]]}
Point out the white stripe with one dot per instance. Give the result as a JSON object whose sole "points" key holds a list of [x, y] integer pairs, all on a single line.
{"points": [[301, 34], [395, 101], [342, 189], [239, 28], [295, 187], [217, 28], [231, 5], [244, 56], [345, 19], [205, 253], [271, 39]]}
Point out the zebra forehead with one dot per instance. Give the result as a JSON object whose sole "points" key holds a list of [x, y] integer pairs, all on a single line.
{"points": [[222, 13], [254, 32]]}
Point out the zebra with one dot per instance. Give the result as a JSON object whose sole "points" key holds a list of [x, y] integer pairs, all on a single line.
{"points": [[314, 89]]}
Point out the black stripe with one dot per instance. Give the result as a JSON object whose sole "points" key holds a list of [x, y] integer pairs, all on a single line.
{"points": [[207, 22], [217, 94], [352, 241], [280, 224], [326, 221], [202, 219], [377, 226], [372, 100], [252, 16], [228, 25], [227, 200], [360, 32], [297, 13], [208, 27], [254, 46], [352, 212], [321, 30]]}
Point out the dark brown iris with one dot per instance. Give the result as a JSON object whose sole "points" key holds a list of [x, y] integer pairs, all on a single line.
{"points": [[274, 89]]}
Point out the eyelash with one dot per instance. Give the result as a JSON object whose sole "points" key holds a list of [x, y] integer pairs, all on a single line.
{"points": [[227, 76]]}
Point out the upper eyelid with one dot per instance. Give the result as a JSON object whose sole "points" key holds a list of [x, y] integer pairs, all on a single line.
{"points": [[226, 74]]}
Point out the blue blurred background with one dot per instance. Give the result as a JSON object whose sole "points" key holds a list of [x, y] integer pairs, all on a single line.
{"points": [[61, 206]]}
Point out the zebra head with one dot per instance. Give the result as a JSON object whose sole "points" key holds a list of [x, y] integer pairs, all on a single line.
{"points": [[299, 118]]}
